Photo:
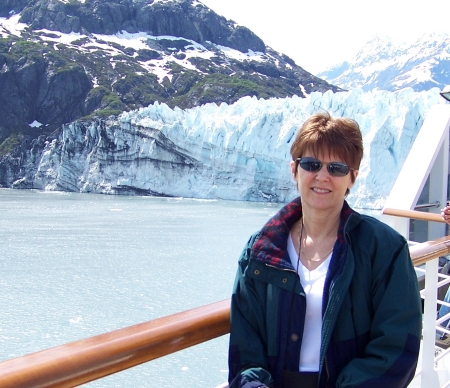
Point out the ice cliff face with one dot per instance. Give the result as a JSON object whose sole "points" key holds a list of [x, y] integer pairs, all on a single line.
{"points": [[237, 152]]}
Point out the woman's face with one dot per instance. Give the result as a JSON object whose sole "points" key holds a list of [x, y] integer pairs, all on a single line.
{"points": [[319, 190]]}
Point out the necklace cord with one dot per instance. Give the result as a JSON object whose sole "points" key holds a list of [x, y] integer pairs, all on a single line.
{"points": [[300, 244], [309, 258]]}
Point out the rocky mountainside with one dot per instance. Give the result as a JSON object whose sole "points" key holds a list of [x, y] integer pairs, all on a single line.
{"points": [[62, 60], [383, 65]]}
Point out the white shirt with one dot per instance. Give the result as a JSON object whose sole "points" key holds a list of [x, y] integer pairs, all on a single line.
{"points": [[313, 283]]}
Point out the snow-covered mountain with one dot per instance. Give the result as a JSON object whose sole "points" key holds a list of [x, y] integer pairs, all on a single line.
{"points": [[238, 151], [63, 60], [383, 65]]}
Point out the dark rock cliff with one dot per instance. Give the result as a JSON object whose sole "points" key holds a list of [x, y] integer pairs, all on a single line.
{"points": [[182, 18], [49, 78], [37, 85]]}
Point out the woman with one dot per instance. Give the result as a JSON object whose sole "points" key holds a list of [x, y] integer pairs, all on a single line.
{"points": [[324, 296]]}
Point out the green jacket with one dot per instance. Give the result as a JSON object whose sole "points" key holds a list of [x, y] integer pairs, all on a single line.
{"points": [[371, 314]]}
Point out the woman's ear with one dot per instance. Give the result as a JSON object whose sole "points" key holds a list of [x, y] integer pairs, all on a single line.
{"points": [[294, 170], [354, 176]]}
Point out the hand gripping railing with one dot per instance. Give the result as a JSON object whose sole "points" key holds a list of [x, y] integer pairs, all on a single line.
{"points": [[92, 358]]}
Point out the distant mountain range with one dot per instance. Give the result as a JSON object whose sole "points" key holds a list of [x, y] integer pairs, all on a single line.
{"points": [[383, 65], [62, 60]]}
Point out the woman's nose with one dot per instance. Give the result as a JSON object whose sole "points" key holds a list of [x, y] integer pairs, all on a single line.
{"points": [[323, 173]]}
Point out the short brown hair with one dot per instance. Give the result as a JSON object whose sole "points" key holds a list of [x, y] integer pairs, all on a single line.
{"points": [[340, 136]]}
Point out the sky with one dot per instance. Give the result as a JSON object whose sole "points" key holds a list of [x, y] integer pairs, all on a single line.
{"points": [[319, 34]]}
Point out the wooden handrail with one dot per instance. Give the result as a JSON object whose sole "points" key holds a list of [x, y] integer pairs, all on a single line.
{"points": [[417, 215], [421, 253], [95, 357], [429, 250], [89, 359]]}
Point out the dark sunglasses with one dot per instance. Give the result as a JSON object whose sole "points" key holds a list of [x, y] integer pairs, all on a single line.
{"points": [[314, 165]]}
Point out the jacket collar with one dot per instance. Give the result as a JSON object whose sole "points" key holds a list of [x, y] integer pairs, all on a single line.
{"points": [[271, 246]]}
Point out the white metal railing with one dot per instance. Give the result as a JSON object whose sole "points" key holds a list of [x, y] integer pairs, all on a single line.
{"points": [[433, 369], [434, 363], [431, 148]]}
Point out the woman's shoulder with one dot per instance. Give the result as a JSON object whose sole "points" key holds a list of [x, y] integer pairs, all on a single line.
{"points": [[370, 228], [252, 239], [246, 252]]}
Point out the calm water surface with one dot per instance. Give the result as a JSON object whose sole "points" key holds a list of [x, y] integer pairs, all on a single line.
{"points": [[77, 265]]}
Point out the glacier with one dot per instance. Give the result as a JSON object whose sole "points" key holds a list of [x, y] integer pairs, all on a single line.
{"points": [[233, 152]]}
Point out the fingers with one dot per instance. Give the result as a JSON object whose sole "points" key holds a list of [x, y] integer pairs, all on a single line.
{"points": [[445, 214]]}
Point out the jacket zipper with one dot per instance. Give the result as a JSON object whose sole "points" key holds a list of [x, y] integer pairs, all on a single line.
{"points": [[328, 373], [280, 269]]}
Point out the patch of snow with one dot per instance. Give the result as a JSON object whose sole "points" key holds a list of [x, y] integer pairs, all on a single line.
{"points": [[236, 54], [35, 124], [11, 26], [60, 37]]}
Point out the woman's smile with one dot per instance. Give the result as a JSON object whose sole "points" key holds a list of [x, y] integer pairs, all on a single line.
{"points": [[320, 190]]}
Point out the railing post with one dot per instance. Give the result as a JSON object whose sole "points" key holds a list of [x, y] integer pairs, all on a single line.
{"points": [[438, 187], [429, 376]]}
